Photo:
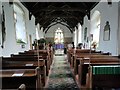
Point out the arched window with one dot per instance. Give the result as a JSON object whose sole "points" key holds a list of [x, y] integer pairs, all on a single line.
{"points": [[19, 20], [95, 27], [59, 38], [37, 34]]}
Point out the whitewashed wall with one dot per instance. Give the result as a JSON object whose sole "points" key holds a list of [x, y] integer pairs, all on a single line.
{"points": [[31, 29], [119, 30], [10, 45], [108, 13], [0, 27], [75, 37], [79, 33], [86, 24], [41, 33]]}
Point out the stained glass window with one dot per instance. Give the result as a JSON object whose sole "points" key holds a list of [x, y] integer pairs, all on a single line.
{"points": [[19, 20], [59, 37]]}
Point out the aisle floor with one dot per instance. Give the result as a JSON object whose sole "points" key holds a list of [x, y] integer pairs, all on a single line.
{"points": [[61, 76]]}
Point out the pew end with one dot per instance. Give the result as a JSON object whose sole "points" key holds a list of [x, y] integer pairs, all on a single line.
{"points": [[22, 87]]}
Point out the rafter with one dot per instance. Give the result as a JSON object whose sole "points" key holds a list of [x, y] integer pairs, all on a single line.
{"points": [[84, 5], [60, 9], [71, 13]]}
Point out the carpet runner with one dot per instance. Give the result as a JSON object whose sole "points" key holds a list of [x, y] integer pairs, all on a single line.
{"points": [[61, 77]]}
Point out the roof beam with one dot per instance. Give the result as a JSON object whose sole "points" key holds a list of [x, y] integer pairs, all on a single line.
{"points": [[60, 9], [76, 18]]}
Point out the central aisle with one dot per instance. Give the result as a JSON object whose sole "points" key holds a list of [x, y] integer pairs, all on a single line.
{"points": [[61, 77]]}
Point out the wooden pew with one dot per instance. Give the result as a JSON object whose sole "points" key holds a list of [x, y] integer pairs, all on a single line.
{"points": [[32, 57], [18, 63], [69, 54], [76, 58], [78, 52], [103, 76], [11, 64], [84, 67], [42, 53], [74, 52], [83, 51], [25, 56], [12, 79]]}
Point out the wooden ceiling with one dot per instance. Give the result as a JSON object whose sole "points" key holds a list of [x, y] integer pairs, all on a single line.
{"points": [[68, 14]]}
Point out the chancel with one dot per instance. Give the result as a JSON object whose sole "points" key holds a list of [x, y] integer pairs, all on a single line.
{"points": [[60, 45]]}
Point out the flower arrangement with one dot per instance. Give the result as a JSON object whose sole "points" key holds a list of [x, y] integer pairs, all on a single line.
{"points": [[20, 41], [41, 43], [94, 44], [42, 40]]}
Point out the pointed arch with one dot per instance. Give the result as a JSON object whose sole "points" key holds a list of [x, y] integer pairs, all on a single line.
{"points": [[95, 26]]}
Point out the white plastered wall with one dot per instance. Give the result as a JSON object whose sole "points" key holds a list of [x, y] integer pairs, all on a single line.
{"points": [[79, 33], [86, 25], [10, 45], [75, 38], [107, 13], [0, 27], [118, 29]]}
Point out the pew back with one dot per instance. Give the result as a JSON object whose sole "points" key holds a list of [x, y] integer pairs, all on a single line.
{"points": [[105, 76], [13, 78]]}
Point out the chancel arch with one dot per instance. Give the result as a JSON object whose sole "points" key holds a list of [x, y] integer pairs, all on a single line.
{"points": [[51, 33]]}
